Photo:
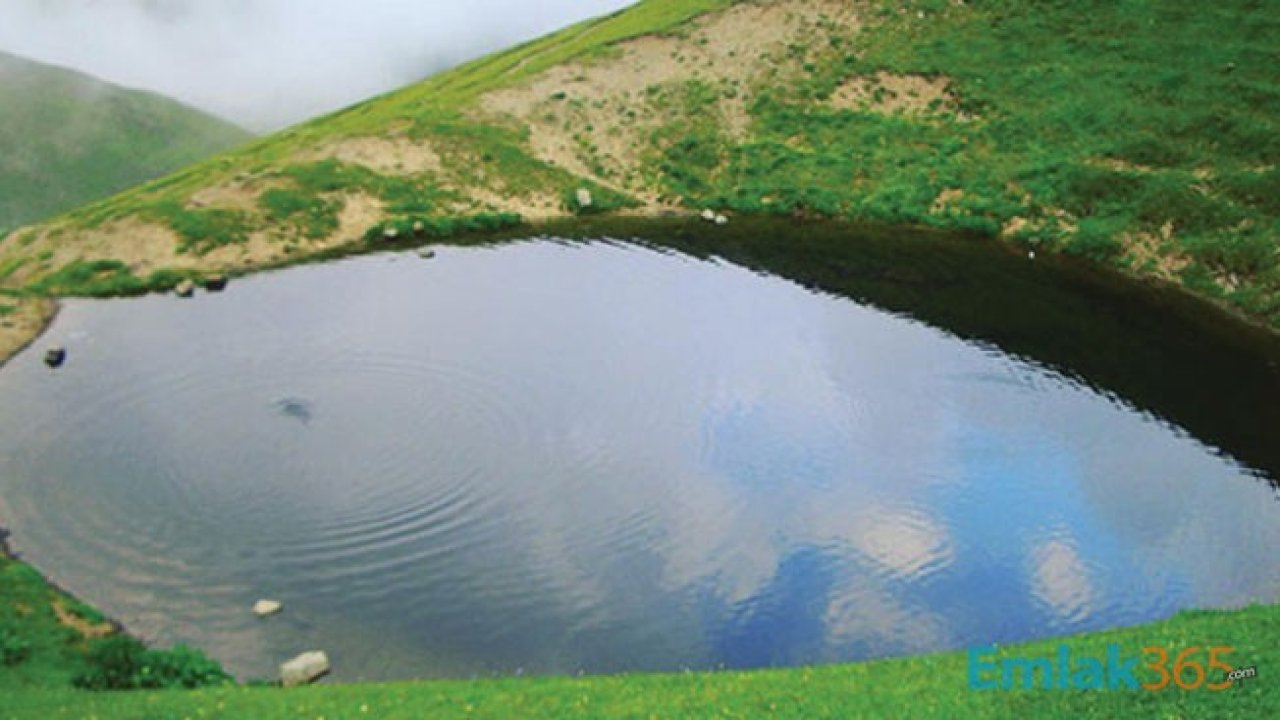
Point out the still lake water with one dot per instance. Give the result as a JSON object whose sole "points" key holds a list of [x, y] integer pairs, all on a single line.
{"points": [[553, 457]]}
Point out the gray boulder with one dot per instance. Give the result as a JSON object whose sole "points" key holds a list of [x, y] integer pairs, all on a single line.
{"points": [[306, 668]]}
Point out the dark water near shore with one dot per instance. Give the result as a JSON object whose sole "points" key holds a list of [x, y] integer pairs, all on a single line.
{"points": [[549, 457]]}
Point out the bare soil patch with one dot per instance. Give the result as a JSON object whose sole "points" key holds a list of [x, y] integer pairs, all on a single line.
{"points": [[594, 118], [88, 630], [1155, 254], [383, 155], [893, 94], [24, 324]]}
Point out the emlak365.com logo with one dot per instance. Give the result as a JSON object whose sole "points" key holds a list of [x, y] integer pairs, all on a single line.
{"points": [[1148, 670]]}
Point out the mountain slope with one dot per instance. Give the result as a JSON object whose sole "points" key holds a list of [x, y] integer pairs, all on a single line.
{"points": [[67, 139], [1144, 134]]}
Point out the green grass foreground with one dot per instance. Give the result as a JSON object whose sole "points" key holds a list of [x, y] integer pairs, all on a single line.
{"points": [[929, 686], [926, 686]]}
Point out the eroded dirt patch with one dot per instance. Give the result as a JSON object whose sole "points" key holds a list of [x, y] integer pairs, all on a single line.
{"points": [[90, 631], [893, 94], [383, 155], [533, 207], [142, 245], [359, 213], [23, 323], [236, 195], [1155, 254], [596, 118]]}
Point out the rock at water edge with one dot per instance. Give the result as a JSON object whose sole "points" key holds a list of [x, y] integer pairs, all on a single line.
{"points": [[304, 669]]}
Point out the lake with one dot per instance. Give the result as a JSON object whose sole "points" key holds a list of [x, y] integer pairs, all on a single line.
{"points": [[554, 456]]}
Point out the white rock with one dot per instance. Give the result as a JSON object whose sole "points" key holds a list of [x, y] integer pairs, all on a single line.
{"points": [[263, 608], [186, 288], [304, 669], [391, 233], [418, 227], [709, 215], [722, 220], [584, 198], [1031, 254]]}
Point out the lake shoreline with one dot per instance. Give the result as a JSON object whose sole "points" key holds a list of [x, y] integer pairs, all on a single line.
{"points": [[35, 313], [31, 318], [14, 341], [843, 681], [681, 233]]}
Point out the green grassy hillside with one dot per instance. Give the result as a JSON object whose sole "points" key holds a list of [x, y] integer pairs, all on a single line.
{"points": [[67, 139], [1143, 134]]}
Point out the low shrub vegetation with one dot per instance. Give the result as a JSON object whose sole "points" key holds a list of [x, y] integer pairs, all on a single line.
{"points": [[120, 662], [316, 216], [105, 278], [408, 228], [13, 647]]}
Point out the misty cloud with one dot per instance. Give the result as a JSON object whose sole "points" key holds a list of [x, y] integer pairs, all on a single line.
{"points": [[269, 63]]}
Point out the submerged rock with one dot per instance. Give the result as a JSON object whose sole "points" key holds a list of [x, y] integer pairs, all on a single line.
{"points": [[185, 289], [54, 357], [304, 669], [426, 253], [264, 608], [297, 408]]}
